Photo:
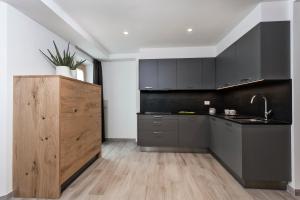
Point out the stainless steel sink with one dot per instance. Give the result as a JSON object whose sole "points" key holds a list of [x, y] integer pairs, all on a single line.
{"points": [[253, 120]]}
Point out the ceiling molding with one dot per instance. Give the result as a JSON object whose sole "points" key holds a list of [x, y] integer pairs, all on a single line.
{"points": [[53, 17], [50, 15]]}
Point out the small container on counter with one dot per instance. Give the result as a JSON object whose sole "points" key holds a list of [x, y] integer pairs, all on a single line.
{"points": [[212, 111]]}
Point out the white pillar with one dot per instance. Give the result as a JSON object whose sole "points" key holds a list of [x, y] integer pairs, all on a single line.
{"points": [[5, 187], [295, 50]]}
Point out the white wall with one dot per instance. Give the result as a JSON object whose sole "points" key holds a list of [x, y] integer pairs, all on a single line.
{"points": [[263, 12], [4, 167], [296, 95], [20, 50], [121, 98]]}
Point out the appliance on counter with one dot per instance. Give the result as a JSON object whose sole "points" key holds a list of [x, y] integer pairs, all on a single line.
{"points": [[212, 111]]}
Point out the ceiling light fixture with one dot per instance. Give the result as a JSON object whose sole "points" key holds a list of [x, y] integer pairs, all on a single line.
{"points": [[125, 33], [189, 30]]}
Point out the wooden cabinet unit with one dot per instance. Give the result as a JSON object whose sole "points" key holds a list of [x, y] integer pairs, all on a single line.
{"points": [[57, 132]]}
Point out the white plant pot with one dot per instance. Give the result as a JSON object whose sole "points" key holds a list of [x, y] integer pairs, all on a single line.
{"points": [[63, 71], [74, 73]]}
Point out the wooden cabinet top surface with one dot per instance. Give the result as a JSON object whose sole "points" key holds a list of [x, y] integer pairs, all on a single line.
{"points": [[55, 76]]}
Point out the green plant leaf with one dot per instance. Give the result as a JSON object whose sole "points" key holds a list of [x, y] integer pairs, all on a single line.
{"points": [[58, 53], [47, 57]]}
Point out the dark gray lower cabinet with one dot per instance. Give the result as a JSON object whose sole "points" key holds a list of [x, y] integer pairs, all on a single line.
{"points": [[257, 155], [157, 131], [193, 131], [173, 131]]}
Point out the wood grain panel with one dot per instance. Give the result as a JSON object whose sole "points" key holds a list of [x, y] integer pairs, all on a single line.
{"points": [[57, 130], [36, 137], [80, 126]]}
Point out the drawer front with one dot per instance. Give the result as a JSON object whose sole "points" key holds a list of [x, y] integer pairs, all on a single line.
{"points": [[157, 125], [80, 126], [158, 139]]}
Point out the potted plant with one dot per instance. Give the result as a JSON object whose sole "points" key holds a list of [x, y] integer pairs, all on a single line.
{"points": [[65, 62]]}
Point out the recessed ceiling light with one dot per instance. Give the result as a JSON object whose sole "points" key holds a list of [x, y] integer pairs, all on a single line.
{"points": [[125, 33], [189, 30]]}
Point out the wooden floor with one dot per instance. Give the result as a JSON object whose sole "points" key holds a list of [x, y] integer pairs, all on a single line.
{"points": [[125, 173]]}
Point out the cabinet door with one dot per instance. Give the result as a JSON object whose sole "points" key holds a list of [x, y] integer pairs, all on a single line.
{"points": [[232, 147], [189, 74], [216, 140], [208, 73], [248, 56], [148, 74], [227, 68], [193, 132], [167, 74]]}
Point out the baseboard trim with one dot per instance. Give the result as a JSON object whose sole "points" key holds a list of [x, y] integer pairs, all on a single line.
{"points": [[172, 149], [293, 191], [6, 197], [120, 140]]}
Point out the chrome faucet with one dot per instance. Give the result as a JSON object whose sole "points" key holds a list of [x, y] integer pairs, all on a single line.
{"points": [[267, 112]]}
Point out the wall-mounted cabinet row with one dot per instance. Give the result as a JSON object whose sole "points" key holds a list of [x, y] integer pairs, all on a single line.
{"points": [[261, 54], [177, 74]]}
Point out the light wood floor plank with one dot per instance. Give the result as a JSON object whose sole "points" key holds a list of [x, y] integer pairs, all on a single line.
{"points": [[125, 173]]}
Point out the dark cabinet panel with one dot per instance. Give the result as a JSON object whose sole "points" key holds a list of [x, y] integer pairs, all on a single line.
{"points": [[193, 131], [158, 138], [167, 79], [232, 146], [261, 54], [208, 74], [275, 44], [173, 131], [189, 74], [250, 154], [227, 69], [148, 74], [249, 56]]}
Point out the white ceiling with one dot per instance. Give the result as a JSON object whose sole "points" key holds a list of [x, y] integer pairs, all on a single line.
{"points": [[156, 23]]}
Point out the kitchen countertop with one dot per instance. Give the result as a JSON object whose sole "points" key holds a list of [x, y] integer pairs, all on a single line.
{"points": [[237, 119]]}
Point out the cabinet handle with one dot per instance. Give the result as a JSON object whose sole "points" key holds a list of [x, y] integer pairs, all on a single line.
{"points": [[156, 132], [148, 87], [75, 110], [157, 117]]}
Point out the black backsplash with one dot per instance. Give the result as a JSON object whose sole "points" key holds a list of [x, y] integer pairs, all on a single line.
{"points": [[278, 93], [174, 101]]}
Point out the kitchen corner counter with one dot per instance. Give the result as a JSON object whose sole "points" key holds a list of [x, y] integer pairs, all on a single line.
{"points": [[244, 120]]}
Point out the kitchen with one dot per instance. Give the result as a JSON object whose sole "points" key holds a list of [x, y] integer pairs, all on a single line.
{"points": [[178, 109], [197, 100]]}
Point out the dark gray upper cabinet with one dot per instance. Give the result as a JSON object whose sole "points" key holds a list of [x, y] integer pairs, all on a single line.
{"points": [[249, 56], [193, 131], [177, 74], [208, 74], [261, 54], [189, 74], [148, 74], [227, 68], [167, 79]]}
